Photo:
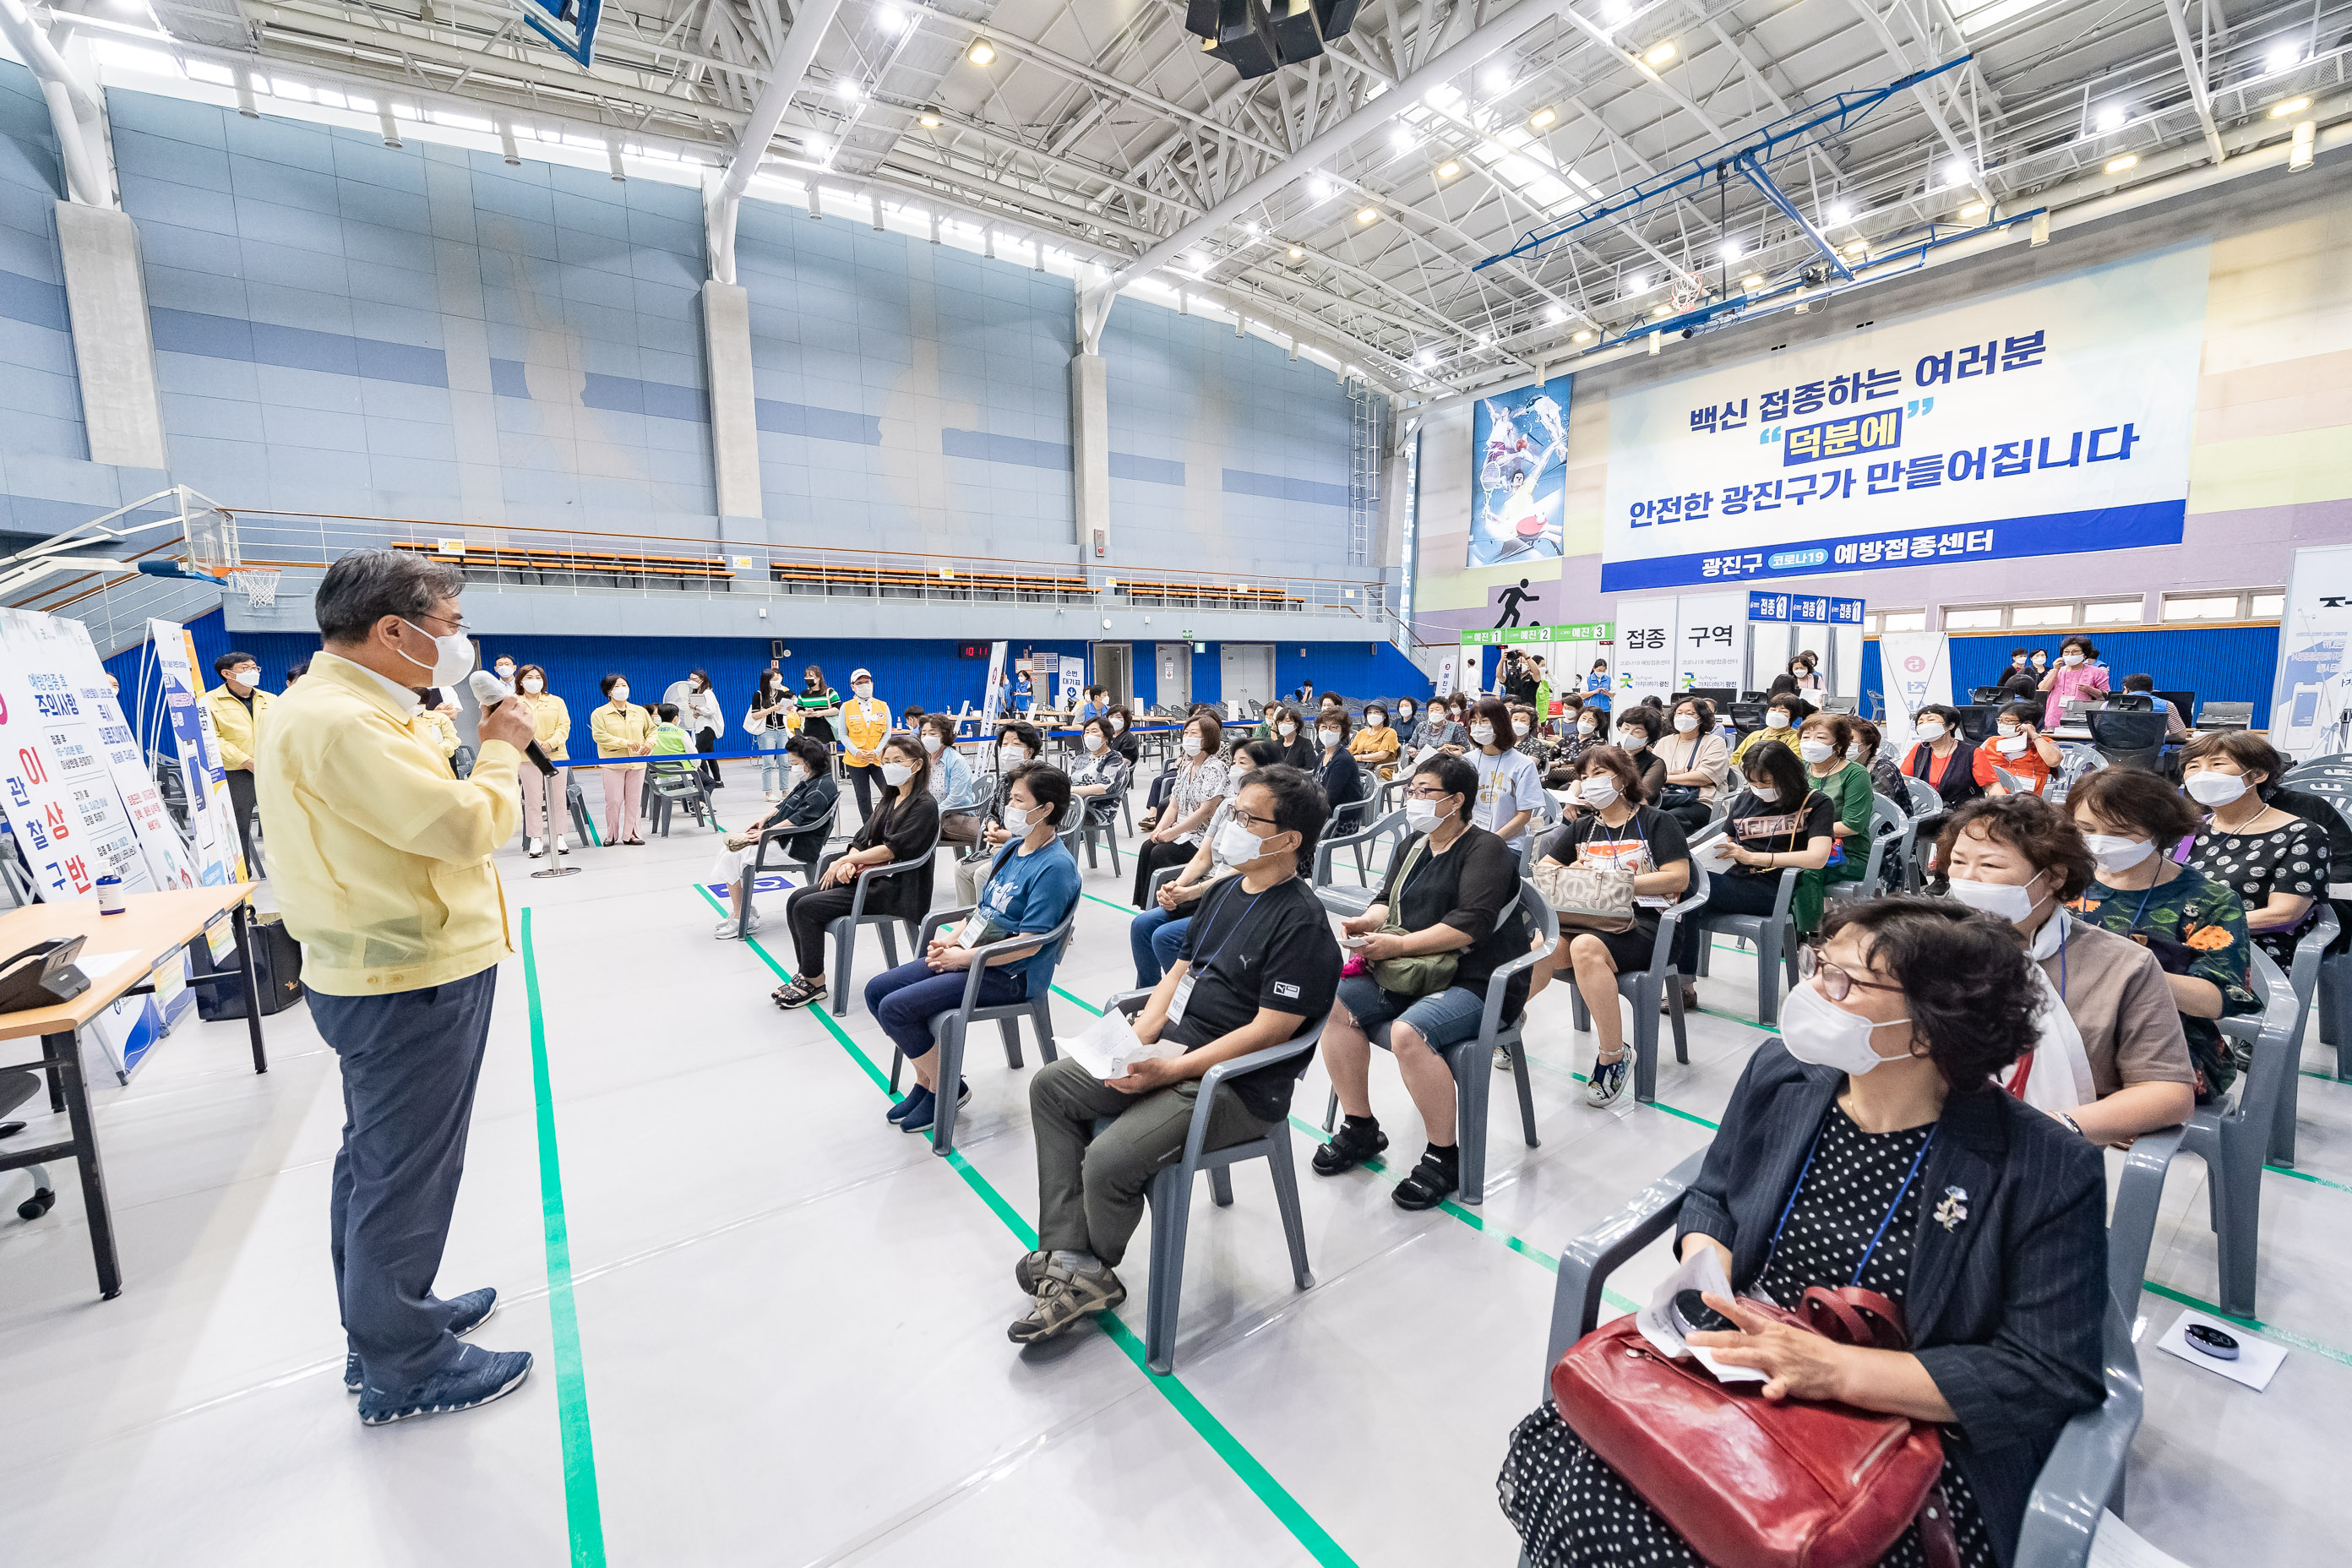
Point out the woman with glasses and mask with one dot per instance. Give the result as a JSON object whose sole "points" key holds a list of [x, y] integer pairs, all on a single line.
{"points": [[1017, 741], [2194, 925], [1870, 1147], [1174, 831], [1451, 892], [953, 787], [1615, 831], [905, 823], [2275, 860], [2111, 1061]]}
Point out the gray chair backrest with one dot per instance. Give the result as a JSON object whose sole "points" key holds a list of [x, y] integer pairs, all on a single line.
{"points": [[1925, 801]]}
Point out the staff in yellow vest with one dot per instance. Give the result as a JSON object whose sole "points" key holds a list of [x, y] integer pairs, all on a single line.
{"points": [[240, 709], [864, 722]]}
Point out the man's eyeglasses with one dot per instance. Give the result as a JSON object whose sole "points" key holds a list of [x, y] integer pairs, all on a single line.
{"points": [[1836, 983], [1241, 815]]}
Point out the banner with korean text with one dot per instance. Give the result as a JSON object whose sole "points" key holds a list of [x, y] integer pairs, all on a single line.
{"points": [[1917, 669], [2047, 420]]}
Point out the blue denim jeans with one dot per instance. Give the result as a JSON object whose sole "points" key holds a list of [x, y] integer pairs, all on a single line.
{"points": [[1156, 937], [905, 1000], [773, 767]]}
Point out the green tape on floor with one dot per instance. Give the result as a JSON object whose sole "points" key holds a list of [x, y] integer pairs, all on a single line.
{"points": [[1128, 909], [581, 1508], [2307, 1177], [1239, 1460]]}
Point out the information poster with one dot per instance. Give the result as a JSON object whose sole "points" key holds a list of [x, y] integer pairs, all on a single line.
{"points": [[212, 827], [994, 705], [1645, 650], [1708, 632], [2311, 699], [2049, 420], [1518, 446], [68, 644], [68, 822], [1917, 669], [1071, 684]]}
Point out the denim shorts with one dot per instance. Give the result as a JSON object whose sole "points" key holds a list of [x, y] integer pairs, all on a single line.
{"points": [[1447, 1018]]}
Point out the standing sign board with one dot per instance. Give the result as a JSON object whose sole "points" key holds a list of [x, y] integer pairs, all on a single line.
{"points": [[992, 705], [2311, 697], [211, 826], [1072, 683], [1917, 668], [1645, 650], [1446, 673], [61, 803], [1707, 640]]}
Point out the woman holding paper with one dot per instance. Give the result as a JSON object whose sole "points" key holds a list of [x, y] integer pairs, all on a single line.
{"points": [[1778, 822], [1031, 886]]}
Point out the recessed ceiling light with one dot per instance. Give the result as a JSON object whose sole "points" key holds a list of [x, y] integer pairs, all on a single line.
{"points": [[1839, 213], [982, 52], [1752, 281], [1496, 81], [1298, 253], [2292, 106], [1659, 54], [1581, 336], [1977, 209], [929, 119], [2285, 58], [1365, 215], [2119, 163], [1448, 169], [1543, 119], [1662, 310]]}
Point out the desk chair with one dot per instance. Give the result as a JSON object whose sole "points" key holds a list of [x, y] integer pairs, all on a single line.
{"points": [[750, 876], [1170, 1192], [2129, 702], [2231, 1139], [842, 930], [16, 1088], [1978, 721], [1643, 987], [950, 1030], [1470, 1060], [2129, 740], [2302, 976], [2081, 1478], [1774, 937]]}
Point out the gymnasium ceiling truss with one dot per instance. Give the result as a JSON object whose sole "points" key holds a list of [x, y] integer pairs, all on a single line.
{"points": [[1098, 127]]}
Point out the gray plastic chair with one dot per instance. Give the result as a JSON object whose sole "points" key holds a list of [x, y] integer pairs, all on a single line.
{"points": [[2232, 1140], [1774, 937], [1470, 1060], [1886, 824], [1170, 1192], [1106, 830], [1643, 987], [749, 878], [1348, 902], [2336, 1009], [1924, 806], [2082, 1476], [843, 929], [950, 1030], [2303, 976]]}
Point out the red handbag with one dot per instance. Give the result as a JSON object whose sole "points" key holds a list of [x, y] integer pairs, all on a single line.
{"points": [[1753, 1483]]}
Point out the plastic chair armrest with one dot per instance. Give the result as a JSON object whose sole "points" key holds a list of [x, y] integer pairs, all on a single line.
{"points": [[2070, 1496], [1586, 1263], [1196, 1136]]}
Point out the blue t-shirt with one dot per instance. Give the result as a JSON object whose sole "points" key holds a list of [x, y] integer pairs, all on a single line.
{"points": [[1032, 892]]}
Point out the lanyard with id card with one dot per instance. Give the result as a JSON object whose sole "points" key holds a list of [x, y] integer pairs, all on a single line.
{"points": [[1192, 971]]}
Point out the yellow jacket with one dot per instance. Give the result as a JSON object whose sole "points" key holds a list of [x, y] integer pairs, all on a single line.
{"points": [[619, 732], [865, 724], [380, 858], [433, 728], [550, 722], [236, 727], [1371, 745]]}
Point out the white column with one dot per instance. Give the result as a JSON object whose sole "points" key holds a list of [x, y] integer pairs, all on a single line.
{"points": [[114, 348], [734, 415], [1090, 456]]}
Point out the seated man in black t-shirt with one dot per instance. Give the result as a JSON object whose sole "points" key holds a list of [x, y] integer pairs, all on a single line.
{"points": [[1258, 967]]}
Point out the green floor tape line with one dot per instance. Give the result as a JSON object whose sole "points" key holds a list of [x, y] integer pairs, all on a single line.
{"points": [[582, 1508], [2283, 1336], [1123, 908], [1239, 1460], [1076, 1002], [590, 824], [2307, 1177]]}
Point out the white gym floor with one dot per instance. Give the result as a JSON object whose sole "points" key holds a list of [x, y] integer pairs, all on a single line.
{"points": [[789, 1317]]}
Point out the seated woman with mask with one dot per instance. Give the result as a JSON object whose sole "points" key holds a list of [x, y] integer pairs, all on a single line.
{"points": [[953, 785], [1779, 821], [1782, 713], [1100, 775], [1869, 1147], [2111, 1061], [1374, 743], [810, 793]]}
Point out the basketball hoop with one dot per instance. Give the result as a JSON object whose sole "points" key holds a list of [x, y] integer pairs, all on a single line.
{"points": [[258, 584]]}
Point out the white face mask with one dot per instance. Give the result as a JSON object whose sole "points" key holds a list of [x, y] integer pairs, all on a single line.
{"points": [[1482, 734], [2114, 852], [2215, 789], [2010, 746], [1854, 753], [1286, 730], [1586, 726], [1405, 713], [1632, 740], [1815, 751], [1095, 742], [1117, 722], [2010, 901], [1931, 731], [1374, 720], [1768, 793], [1019, 821], [1328, 737], [895, 773], [1598, 794], [1685, 722], [1191, 745], [1776, 719], [505, 672], [863, 688], [453, 656], [799, 773], [533, 684], [619, 694], [933, 744], [1011, 756], [2071, 658], [1421, 816], [2008, 727], [1236, 845], [1817, 1030]]}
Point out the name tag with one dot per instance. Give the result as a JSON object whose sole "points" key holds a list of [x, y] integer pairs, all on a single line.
{"points": [[974, 926], [1176, 1003]]}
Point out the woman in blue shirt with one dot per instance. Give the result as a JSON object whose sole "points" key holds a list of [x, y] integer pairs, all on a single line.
{"points": [[1596, 686], [952, 781], [1031, 886]]}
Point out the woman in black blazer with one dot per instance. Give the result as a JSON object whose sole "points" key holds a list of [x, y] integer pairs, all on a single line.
{"points": [[1946, 760], [1983, 1218]]}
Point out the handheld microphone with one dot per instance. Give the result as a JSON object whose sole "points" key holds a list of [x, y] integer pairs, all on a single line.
{"points": [[489, 692]]}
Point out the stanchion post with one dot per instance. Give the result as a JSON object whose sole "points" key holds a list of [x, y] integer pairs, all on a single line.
{"points": [[555, 799]]}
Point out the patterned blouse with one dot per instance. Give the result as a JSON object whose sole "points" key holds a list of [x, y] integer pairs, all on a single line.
{"points": [[2289, 859], [1106, 768], [2196, 927], [1198, 782]]}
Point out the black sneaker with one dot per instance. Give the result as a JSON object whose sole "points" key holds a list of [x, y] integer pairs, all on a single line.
{"points": [[1431, 1182], [1354, 1143]]}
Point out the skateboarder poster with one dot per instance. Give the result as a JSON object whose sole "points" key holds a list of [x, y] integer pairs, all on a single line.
{"points": [[1520, 443]]}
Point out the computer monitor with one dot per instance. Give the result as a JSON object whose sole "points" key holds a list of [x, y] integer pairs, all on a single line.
{"points": [[2183, 702], [1721, 696]]}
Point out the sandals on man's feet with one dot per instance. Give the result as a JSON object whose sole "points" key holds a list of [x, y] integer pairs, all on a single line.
{"points": [[1431, 1182]]}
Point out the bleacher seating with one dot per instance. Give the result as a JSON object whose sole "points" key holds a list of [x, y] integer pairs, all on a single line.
{"points": [[540, 564]]}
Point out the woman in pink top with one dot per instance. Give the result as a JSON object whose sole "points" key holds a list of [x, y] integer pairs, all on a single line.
{"points": [[2079, 674]]}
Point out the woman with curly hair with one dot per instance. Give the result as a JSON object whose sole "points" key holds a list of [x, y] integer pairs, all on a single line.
{"points": [[1870, 1146], [2130, 819]]}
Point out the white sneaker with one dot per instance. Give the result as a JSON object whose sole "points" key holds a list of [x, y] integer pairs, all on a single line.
{"points": [[772, 796], [536, 847], [1607, 1085], [563, 843], [726, 931]]}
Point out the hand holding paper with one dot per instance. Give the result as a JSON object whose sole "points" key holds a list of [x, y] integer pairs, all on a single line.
{"points": [[1109, 1048]]}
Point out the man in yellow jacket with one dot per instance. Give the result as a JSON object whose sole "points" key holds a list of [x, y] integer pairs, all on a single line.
{"points": [[380, 860], [240, 708]]}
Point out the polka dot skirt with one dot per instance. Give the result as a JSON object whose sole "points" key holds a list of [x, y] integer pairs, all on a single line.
{"points": [[1573, 1512]]}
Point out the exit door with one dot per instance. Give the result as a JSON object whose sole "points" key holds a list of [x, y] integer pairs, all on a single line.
{"points": [[1175, 690], [1247, 670], [1112, 670]]}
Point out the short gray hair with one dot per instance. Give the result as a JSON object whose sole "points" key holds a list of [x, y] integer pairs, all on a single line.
{"points": [[366, 585]]}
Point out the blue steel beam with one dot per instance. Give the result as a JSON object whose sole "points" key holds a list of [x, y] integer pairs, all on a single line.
{"points": [[1754, 172]]}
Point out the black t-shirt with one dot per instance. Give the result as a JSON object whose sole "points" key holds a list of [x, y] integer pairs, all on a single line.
{"points": [[1248, 951], [1649, 841], [1473, 887], [1772, 828]]}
